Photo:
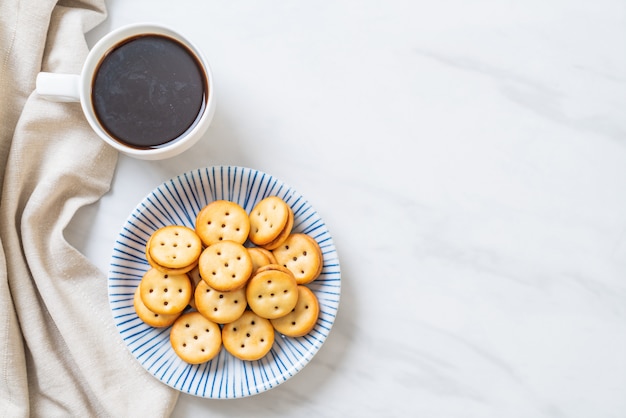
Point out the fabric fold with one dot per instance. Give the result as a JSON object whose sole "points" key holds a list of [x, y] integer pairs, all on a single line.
{"points": [[60, 354]]}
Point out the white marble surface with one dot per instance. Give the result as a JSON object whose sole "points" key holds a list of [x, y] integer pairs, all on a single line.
{"points": [[469, 159]]}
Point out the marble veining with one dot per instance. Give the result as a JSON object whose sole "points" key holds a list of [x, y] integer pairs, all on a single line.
{"points": [[469, 160]]}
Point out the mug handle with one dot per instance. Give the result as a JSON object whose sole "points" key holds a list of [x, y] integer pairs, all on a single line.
{"points": [[58, 87]]}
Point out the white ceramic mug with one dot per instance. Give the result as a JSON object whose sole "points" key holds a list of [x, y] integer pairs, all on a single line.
{"points": [[80, 88]]}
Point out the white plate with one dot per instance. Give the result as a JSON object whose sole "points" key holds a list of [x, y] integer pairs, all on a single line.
{"points": [[178, 201]]}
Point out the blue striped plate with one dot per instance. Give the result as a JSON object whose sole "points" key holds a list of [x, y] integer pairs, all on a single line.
{"points": [[178, 201]]}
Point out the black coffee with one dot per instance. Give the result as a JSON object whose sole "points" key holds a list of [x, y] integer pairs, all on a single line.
{"points": [[149, 91]]}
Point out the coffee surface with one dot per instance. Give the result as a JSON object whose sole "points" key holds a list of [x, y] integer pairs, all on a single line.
{"points": [[148, 91]]}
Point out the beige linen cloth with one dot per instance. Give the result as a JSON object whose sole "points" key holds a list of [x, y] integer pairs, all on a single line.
{"points": [[60, 354]]}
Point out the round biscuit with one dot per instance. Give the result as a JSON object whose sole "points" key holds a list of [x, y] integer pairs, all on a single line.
{"points": [[225, 265], [222, 220], [272, 293], [165, 293], [174, 247], [181, 270], [151, 318], [302, 255], [220, 307], [301, 320], [195, 339], [284, 234], [248, 338], [268, 219]]}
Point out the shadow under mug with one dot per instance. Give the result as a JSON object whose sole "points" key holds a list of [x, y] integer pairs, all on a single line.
{"points": [[144, 88]]}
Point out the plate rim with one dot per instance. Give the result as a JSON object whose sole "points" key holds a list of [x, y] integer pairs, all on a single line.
{"points": [[308, 355]]}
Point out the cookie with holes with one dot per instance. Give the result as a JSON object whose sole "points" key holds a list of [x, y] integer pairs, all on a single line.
{"points": [[302, 255], [151, 318], [225, 265], [174, 248], [283, 235], [222, 220], [165, 293], [248, 338], [195, 339], [272, 292], [301, 320], [269, 221], [219, 307], [153, 264]]}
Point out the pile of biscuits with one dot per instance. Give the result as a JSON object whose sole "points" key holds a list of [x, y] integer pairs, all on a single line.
{"points": [[243, 275]]}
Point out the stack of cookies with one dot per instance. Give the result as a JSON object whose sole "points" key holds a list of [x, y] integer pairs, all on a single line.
{"points": [[244, 276], [165, 289]]}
